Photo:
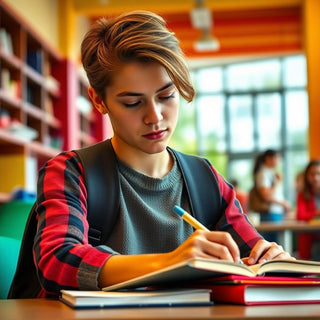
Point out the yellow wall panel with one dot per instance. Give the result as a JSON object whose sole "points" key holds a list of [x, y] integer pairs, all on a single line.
{"points": [[41, 15], [12, 168]]}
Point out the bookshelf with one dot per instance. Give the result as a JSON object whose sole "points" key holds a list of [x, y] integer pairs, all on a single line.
{"points": [[28, 91], [30, 132], [88, 117], [39, 104]]}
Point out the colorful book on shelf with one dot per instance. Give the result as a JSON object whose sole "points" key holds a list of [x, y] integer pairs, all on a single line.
{"points": [[199, 269], [35, 59], [263, 290], [6, 41], [138, 298]]}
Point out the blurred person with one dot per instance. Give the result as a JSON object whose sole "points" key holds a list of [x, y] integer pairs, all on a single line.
{"points": [[308, 208], [268, 187]]}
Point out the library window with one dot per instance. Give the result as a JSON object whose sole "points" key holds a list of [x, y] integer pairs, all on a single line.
{"points": [[244, 108]]}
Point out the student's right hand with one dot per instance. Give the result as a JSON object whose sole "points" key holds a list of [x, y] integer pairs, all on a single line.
{"points": [[217, 245], [203, 244]]}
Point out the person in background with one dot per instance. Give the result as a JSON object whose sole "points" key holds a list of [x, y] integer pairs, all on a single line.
{"points": [[137, 74], [268, 184], [241, 195], [308, 208]]}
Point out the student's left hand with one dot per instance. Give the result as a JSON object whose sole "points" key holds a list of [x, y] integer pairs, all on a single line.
{"points": [[264, 251]]}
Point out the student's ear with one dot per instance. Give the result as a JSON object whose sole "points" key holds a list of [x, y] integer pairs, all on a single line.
{"points": [[97, 101]]}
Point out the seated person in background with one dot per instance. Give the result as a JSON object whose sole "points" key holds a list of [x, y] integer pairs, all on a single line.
{"points": [[137, 74], [308, 208]]}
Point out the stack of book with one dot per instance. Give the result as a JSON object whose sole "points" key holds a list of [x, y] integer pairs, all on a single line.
{"points": [[273, 282], [199, 282]]}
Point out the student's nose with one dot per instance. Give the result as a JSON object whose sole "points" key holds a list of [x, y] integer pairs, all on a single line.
{"points": [[153, 113]]}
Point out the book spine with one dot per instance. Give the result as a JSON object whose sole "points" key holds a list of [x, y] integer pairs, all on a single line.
{"points": [[228, 293]]}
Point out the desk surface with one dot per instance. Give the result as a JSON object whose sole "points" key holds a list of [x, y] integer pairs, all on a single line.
{"points": [[36, 309]]}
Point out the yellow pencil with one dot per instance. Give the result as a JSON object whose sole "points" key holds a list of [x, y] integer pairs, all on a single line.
{"points": [[187, 217]]}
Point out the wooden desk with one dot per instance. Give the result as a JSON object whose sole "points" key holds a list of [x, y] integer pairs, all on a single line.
{"points": [[42, 309], [286, 229]]}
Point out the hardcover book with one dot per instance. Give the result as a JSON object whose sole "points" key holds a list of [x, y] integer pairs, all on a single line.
{"points": [[138, 298], [262, 290]]}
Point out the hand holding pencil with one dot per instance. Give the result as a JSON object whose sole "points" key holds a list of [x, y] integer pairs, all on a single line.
{"points": [[192, 221]]}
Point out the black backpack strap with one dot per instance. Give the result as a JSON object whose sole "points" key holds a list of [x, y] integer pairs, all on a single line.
{"points": [[202, 188], [103, 185]]}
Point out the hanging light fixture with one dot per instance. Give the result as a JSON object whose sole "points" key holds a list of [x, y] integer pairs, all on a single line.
{"points": [[201, 18]]}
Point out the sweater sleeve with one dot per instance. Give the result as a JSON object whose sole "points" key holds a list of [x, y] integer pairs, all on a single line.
{"points": [[63, 256], [233, 220]]}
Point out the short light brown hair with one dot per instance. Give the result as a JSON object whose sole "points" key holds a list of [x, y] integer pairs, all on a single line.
{"points": [[137, 36]]}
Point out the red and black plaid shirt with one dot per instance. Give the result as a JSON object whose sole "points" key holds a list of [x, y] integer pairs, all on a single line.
{"points": [[64, 258]]}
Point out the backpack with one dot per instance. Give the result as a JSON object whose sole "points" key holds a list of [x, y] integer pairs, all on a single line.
{"points": [[100, 168]]}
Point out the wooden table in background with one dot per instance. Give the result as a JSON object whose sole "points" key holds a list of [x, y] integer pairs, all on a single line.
{"points": [[286, 230]]}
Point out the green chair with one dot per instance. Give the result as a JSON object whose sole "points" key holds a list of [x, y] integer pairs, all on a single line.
{"points": [[13, 218], [9, 248]]}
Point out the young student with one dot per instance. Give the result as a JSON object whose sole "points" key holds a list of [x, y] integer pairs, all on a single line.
{"points": [[137, 74], [308, 208]]}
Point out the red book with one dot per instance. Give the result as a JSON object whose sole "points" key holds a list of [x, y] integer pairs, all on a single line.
{"points": [[264, 290]]}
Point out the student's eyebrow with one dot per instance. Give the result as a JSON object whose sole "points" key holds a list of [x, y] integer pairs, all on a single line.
{"points": [[137, 94]]}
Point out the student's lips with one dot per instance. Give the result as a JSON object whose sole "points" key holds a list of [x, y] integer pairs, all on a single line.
{"points": [[155, 135]]}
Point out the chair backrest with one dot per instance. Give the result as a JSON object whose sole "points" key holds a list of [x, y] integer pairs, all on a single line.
{"points": [[9, 248], [13, 217]]}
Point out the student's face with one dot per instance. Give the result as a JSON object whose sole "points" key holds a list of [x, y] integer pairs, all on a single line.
{"points": [[313, 177], [142, 104]]}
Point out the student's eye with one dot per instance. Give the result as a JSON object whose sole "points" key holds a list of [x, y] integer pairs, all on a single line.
{"points": [[167, 97], [132, 104]]}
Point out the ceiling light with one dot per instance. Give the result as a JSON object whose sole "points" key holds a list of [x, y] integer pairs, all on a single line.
{"points": [[201, 18]]}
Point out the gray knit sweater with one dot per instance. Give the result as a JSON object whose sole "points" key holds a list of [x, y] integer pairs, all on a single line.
{"points": [[146, 201]]}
